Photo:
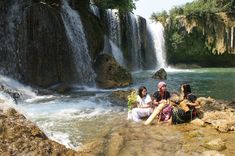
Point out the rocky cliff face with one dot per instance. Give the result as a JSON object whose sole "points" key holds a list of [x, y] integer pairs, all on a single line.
{"points": [[34, 46], [206, 39], [43, 47]]}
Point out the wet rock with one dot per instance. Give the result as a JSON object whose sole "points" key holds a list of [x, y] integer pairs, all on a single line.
{"points": [[160, 74], [14, 93], [120, 96], [217, 144], [62, 88], [110, 74]]}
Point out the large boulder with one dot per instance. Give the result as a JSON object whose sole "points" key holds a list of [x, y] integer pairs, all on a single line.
{"points": [[120, 97], [109, 73], [219, 114], [160, 74], [19, 136]]}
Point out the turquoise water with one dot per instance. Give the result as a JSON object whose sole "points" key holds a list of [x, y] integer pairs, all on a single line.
{"points": [[83, 115], [218, 83]]}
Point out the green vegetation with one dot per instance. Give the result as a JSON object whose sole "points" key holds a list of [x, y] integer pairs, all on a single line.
{"points": [[159, 16], [193, 47], [212, 6], [196, 7], [121, 5]]}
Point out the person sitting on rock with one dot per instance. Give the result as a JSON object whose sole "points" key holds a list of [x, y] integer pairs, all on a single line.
{"points": [[160, 102], [144, 105], [184, 111], [161, 95]]}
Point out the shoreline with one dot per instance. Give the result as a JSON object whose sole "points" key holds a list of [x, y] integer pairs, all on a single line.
{"points": [[122, 139]]}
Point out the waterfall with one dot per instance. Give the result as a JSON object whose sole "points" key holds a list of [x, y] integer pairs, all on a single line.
{"points": [[117, 53], [232, 30], [94, 9], [112, 49], [11, 18], [135, 43], [157, 30], [78, 43], [113, 22]]}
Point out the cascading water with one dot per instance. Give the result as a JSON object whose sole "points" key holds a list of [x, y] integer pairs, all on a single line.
{"points": [[94, 9], [117, 53], [113, 22], [135, 44], [78, 43], [9, 25], [157, 30], [112, 49], [232, 31]]}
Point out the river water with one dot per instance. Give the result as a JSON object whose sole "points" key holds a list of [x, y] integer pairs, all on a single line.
{"points": [[88, 115]]}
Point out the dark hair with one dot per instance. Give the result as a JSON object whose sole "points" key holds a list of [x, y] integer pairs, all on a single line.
{"points": [[191, 97], [187, 89], [140, 90], [158, 96]]}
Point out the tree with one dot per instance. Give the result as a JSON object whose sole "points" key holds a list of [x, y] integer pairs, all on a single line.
{"points": [[121, 5]]}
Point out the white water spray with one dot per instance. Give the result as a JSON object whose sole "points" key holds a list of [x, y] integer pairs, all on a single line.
{"points": [[232, 30], [117, 53], [157, 30], [94, 9]]}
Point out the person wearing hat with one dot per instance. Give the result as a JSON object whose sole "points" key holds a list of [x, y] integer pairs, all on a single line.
{"points": [[161, 94], [160, 102]]}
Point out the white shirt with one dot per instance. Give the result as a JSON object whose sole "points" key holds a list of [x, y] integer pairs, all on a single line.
{"points": [[144, 100]]}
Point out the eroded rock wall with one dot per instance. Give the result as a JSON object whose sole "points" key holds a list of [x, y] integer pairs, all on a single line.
{"points": [[206, 39]]}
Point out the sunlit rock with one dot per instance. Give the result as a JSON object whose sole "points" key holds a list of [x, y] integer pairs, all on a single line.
{"points": [[110, 74], [217, 144]]}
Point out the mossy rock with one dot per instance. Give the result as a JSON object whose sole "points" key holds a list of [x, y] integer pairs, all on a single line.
{"points": [[109, 73]]}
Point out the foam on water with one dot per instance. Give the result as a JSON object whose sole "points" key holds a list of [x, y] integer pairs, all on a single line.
{"points": [[6, 101], [175, 70], [63, 138], [13, 84]]}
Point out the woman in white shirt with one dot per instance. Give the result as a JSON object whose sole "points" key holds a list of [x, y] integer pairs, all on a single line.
{"points": [[144, 105]]}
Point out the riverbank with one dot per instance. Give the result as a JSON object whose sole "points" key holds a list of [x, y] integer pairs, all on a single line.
{"points": [[213, 134], [19, 136]]}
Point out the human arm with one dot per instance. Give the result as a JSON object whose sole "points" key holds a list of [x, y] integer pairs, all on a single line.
{"points": [[146, 102]]}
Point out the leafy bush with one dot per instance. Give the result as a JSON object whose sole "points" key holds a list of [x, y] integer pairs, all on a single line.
{"points": [[121, 5]]}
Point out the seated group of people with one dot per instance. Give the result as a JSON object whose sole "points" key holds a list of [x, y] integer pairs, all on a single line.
{"points": [[177, 109]]}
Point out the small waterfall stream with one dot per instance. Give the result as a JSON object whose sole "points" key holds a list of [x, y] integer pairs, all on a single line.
{"points": [[232, 31], [136, 46], [113, 23], [94, 9], [78, 43], [117, 53]]}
